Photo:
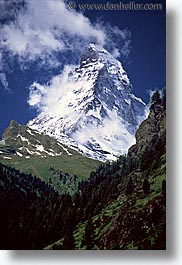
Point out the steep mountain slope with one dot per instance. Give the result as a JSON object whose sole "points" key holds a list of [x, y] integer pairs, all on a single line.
{"points": [[123, 205], [27, 142], [28, 207], [97, 114], [33, 152], [150, 129]]}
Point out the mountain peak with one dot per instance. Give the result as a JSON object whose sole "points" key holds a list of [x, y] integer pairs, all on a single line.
{"points": [[90, 54], [94, 52], [92, 46], [98, 116], [11, 130], [13, 123]]}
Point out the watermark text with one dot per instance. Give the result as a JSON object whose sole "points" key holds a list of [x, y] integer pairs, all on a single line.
{"points": [[120, 6]]}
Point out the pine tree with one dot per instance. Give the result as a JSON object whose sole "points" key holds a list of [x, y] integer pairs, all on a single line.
{"points": [[89, 235], [164, 98], [130, 186], [155, 98], [146, 186], [69, 242], [164, 188]]}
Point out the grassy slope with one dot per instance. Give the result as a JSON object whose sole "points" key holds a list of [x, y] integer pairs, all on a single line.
{"points": [[105, 221], [76, 164]]}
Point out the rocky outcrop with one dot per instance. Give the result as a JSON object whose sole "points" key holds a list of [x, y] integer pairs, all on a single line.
{"points": [[150, 129]]}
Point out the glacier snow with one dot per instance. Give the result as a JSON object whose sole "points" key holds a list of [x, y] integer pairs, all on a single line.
{"points": [[92, 108]]}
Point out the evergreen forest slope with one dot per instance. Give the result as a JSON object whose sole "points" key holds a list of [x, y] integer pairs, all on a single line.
{"points": [[121, 206]]}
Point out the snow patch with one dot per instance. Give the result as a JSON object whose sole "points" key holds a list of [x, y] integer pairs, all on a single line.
{"points": [[19, 154], [7, 157], [29, 131], [23, 138], [40, 148], [20, 148], [29, 152], [128, 101], [66, 150]]}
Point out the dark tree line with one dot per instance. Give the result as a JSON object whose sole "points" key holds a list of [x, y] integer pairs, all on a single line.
{"points": [[33, 214]]}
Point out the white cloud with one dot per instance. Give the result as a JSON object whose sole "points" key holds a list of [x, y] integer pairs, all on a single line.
{"points": [[47, 26], [48, 32], [116, 53], [9, 8], [53, 99], [112, 128], [36, 92], [118, 41], [46, 97], [4, 81], [125, 50]]}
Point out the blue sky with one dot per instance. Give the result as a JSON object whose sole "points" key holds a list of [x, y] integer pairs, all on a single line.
{"points": [[38, 38]]}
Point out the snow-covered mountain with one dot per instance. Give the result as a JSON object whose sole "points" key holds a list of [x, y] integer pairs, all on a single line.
{"points": [[98, 114]]}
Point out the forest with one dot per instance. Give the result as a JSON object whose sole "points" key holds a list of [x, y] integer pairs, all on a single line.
{"points": [[121, 206]]}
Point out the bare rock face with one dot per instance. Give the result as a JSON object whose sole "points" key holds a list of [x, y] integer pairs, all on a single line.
{"points": [[150, 129]]}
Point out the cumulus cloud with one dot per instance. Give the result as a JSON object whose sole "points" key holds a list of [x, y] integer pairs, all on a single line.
{"points": [[116, 139], [46, 97], [47, 32], [45, 26], [40, 28]]}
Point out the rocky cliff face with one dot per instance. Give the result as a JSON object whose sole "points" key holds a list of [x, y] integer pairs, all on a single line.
{"points": [[136, 218], [141, 221], [124, 205], [150, 129], [98, 114]]}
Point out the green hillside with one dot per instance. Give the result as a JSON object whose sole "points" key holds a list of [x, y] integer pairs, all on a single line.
{"points": [[43, 156], [76, 165], [122, 206], [50, 168]]}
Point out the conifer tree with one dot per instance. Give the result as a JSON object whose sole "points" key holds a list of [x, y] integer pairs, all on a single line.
{"points": [[130, 186], [146, 186], [164, 98], [156, 98], [89, 235]]}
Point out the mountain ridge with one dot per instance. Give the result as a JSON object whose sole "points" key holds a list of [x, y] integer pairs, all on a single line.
{"points": [[98, 114], [27, 142], [122, 206], [35, 153]]}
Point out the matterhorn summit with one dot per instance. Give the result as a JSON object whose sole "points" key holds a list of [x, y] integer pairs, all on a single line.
{"points": [[97, 114]]}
